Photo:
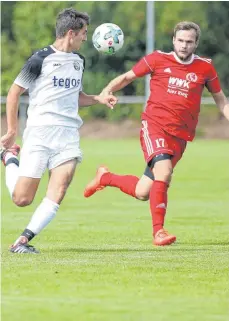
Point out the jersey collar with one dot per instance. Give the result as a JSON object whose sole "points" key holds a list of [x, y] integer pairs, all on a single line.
{"points": [[59, 51], [182, 62]]}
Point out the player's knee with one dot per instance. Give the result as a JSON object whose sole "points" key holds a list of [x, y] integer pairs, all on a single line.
{"points": [[163, 175], [142, 197], [141, 194], [163, 172], [21, 200]]}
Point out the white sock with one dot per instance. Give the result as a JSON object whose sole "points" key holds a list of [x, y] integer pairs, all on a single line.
{"points": [[12, 171], [45, 212]]}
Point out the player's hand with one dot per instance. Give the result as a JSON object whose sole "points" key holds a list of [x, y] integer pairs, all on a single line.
{"points": [[107, 99], [8, 140]]}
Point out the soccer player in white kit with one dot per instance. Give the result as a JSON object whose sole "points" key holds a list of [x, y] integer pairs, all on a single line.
{"points": [[53, 77]]}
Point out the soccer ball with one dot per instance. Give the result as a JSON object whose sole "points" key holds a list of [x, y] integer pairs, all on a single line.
{"points": [[108, 38]]}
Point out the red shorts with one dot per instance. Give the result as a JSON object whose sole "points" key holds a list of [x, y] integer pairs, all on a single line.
{"points": [[155, 141]]}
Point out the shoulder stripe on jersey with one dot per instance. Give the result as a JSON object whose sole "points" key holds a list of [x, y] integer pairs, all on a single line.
{"points": [[44, 52], [32, 68], [204, 59], [148, 64], [212, 78]]}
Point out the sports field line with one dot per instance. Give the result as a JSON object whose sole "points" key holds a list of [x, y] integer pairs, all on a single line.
{"points": [[8, 299]]}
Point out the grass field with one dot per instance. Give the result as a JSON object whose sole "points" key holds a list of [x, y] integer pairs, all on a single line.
{"points": [[97, 262]]}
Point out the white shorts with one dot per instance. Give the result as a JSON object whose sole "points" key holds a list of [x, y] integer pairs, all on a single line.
{"points": [[48, 147]]}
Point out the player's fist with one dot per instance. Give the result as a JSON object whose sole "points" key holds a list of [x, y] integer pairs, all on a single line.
{"points": [[8, 140], [107, 99]]}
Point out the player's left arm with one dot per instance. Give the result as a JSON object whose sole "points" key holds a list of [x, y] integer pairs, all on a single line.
{"points": [[222, 103], [214, 87], [90, 100]]}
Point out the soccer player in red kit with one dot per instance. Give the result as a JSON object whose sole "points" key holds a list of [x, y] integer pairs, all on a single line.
{"points": [[168, 122]]}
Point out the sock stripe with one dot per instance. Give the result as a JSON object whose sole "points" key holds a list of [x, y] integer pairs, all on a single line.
{"points": [[12, 160]]}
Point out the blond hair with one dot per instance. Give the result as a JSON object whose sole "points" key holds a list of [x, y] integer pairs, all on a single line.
{"points": [[188, 25]]}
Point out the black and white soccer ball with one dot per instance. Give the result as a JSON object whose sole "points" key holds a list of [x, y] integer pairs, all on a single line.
{"points": [[108, 38]]}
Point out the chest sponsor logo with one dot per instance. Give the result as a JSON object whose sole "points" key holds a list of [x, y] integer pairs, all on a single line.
{"points": [[66, 82], [178, 86], [178, 83]]}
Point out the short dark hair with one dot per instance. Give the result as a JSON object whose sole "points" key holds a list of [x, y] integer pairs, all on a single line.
{"points": [[188, 25], [70, 19]]}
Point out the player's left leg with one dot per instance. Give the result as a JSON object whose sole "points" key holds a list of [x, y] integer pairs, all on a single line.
{"points": [[162, 168], [60, 179], [158, 197], [61, 167]]}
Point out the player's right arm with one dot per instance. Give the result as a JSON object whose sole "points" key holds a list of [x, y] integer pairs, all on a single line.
{"points": [[145, 66], [12, 103], [30, 71], [119, 82]]}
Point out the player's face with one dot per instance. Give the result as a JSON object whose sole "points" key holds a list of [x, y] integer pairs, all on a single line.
{"points": [[78, 38], [185, 44]]}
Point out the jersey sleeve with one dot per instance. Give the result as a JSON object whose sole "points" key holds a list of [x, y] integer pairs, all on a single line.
{"points": [[212, 82], [30, 71], [145, 66]]}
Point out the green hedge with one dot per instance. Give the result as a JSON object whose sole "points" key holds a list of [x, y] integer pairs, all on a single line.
{"points": [[121, 112], [132, 111]]}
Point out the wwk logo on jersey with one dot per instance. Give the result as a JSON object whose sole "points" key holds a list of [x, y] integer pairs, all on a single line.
{"points": [[180, 87], [178, 83]]}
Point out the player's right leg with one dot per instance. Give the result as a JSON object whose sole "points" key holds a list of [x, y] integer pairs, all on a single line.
{"points": [[9, 158], [22, 189], [126, 183]]}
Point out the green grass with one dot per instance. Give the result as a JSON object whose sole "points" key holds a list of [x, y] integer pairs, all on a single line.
{"points": [[97, 262]]}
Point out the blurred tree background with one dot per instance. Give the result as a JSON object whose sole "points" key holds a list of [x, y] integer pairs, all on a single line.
{"points": [[28, 26]]}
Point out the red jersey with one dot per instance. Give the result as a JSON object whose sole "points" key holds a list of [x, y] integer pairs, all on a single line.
{"points": [[175, 90]]}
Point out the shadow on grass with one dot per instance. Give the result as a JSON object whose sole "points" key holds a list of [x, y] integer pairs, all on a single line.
{"points": [[175, 247], [226, 243]]}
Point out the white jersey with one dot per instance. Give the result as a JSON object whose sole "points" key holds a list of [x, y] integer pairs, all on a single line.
{"points": [[54, 81]]}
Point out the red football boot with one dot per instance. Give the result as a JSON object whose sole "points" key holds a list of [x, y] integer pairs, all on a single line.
{"points": [[162, 237], [94, 185]]}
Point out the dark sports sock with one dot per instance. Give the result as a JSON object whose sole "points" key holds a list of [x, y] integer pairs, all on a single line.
{"points": [[28, 234], [126, 183], [158, 204]]}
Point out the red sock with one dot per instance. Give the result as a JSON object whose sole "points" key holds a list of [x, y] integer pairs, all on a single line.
{"points": [[158, 204], [126, 183]]}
